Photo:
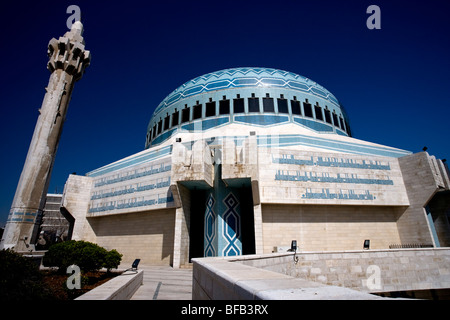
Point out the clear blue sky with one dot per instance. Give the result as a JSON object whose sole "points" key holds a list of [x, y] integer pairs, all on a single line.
{"points": [[394, 82]]}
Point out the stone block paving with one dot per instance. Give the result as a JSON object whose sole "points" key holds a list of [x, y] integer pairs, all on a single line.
{"points": [[165, 283]]}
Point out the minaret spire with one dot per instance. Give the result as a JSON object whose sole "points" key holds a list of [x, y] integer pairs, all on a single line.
{"points": [[67, 62]]}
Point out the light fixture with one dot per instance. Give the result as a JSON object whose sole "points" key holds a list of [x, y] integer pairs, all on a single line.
{"points": [[134, 266], [294, 249], [366, 244]]}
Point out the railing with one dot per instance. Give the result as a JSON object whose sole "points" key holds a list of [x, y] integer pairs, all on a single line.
{"points": [[410, 245]]}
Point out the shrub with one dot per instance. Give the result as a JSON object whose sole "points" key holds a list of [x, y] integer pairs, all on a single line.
{"points": [[86, 255], [20, 278], [112, 259]]}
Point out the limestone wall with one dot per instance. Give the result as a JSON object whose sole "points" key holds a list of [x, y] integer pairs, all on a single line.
{"points": [[365, 270], [329, 227], [76, 197], [421, 185], [147, 235]]}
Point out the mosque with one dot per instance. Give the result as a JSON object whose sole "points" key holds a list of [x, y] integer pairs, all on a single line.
{"points": [[245, 160], [238, 161]]}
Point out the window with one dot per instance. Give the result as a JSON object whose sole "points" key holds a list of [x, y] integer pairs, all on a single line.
{"points": [[282, 105], [295, 107], [348, 129], [197, 111], [159, 126], [224, 106], [318, 111], [166, 122], [175, 117], [327, 116], [210, 109], [308, 109], [154, 132], [253, 104], [238, 105], [185, 115], [268, 105], [335, 120], [342, 123]]}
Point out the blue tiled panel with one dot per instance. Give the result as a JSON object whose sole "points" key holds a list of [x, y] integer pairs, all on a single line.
{"points": [[210, 239], [205, 124], [130, 189], [261, 119], [163, 167], [326, 178], [231, 227], [315, 125], [349, 195], [132, 203], [332, 162], [164, 136], [222, 227], [356, 148], [20, 216]]}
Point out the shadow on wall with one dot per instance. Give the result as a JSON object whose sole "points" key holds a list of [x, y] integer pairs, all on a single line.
{"points": [[143, 233]]}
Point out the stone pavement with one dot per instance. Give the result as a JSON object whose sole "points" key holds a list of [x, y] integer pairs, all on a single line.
{"points": [[165, 283]]}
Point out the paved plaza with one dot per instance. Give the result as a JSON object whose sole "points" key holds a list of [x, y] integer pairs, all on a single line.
{"points": [[165, 283]]}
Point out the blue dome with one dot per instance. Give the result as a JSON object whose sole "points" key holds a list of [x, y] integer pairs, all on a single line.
{"points": [[234, 95]]}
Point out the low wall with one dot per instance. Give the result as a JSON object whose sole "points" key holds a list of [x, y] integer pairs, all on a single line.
{"points": [[365, 270], [321, 275], [222, 279], [121, 287]]}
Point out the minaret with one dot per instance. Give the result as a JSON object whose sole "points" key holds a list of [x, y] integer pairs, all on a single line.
{"points": [[67, 61]]}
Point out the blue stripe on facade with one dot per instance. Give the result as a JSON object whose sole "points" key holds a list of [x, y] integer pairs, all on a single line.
{"points": [[261, 120], [292, 140], [205, 124], [317, 126], [147, 156], [264, 141], [164, 136]]}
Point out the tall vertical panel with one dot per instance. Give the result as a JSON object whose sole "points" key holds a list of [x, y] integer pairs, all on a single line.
{"points": [[222, 221]]}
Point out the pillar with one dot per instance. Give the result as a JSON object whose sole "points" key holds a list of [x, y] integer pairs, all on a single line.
{"points": [[67, 62]]}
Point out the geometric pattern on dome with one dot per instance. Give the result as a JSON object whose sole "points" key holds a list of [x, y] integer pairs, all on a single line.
{"points": [[246, 77]]}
